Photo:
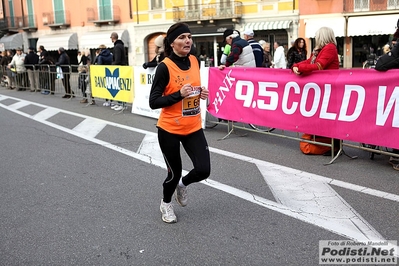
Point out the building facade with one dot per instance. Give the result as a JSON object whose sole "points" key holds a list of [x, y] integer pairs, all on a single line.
{"points": [[358, 25], [84, 25]]}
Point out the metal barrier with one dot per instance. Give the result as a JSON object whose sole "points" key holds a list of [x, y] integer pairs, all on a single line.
{"points": [[231, 126]]}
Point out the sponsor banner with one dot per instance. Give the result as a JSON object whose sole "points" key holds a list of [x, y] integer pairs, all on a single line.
{"points": [[349, 252], [112, 82], [142, 87], [360, 105]]}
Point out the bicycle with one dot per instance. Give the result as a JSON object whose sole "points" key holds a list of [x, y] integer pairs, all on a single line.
{"points": [[369, 64]]}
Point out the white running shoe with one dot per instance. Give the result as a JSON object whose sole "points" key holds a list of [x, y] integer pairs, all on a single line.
{"points": [[119, 108], [181, 195], [106, 104], [168, 215], [114, 106]]}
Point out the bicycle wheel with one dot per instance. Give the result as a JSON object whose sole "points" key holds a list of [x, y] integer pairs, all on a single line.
{"points": [[210, 120], [261, 128]]}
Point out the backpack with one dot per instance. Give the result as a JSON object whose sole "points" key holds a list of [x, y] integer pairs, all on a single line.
{"points": [[311, 148]]}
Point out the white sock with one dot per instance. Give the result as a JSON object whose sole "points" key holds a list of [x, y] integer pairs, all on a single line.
{"points": [[181, 182]]}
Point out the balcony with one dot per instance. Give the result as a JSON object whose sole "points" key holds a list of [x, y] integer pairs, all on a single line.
{"points": [[10, 24], [104, 15], [351, 6], [29, 23], [201, 12], [57, 19]]}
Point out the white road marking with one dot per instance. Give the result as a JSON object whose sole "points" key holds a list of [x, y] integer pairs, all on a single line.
{"points": [[18, 105], [46, 114], [292, 204], [90, 127]]}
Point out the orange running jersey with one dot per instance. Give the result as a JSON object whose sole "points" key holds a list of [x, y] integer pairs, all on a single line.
{"points": [[183, 117]]}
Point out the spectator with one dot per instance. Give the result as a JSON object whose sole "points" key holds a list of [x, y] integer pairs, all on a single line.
{"points": [[225, 54], [325, 55], [43, 52], [82, 70], [386, 62], [297, 52], [279, 57], [31, 60], [119, 59], [159, 51], [256, 47], [83, 59], [104, 56], [241, 52], [5, 60], [267, 57], [180, 119], [88, 84], [386, 49], [96, 57], [48, 74], [17, 63], [64, 63], [119, 50]]}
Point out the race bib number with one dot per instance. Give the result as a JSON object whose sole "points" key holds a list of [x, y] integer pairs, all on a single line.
{"points": [[191, 104]]}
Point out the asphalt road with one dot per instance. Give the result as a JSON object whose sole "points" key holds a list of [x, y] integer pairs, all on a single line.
{"points": [[71, 199]]}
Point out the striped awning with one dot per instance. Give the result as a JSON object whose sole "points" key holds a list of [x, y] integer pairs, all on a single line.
{"points": [[268, 25]]}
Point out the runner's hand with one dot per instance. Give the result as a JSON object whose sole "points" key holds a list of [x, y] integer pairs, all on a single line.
{"points": [[204, 93]]}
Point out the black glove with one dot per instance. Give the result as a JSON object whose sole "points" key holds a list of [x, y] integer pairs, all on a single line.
{"points": [[145, 65]]}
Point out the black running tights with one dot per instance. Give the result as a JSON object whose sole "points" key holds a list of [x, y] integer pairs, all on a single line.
{"points": [[196, 147]]}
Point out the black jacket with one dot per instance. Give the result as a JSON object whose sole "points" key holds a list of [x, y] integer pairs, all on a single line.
{"points": [[104, 57], [294, 56], [31, 59], [119, 53], [64, 62]]}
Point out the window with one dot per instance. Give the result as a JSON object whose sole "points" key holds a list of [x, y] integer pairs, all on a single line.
{"points": [[11, 6], [31, 18], [393, 4], [156, 4], [361, 5], [104, 10], [59, 14]]}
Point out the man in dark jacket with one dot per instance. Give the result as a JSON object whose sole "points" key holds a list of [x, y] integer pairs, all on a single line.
{"points": [[64, 63], [31, 60], [119, 59], [119, 50]]}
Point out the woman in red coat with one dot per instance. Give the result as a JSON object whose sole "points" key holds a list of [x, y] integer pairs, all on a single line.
{"points": [[325, 55]]}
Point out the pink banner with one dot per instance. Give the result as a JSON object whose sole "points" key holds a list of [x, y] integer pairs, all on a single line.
{"points": [[360, 105]]}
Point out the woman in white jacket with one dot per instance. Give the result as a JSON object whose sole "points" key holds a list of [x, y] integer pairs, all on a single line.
{"points": [[17, 62]]}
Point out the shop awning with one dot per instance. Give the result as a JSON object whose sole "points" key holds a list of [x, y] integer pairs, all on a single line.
{"points": [[52, 42], [93, 39], [372, 25], [336, 23], [12, 41], [268, 25]]}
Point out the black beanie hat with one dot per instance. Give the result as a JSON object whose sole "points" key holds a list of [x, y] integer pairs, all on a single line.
{"points": [[227, 33]]}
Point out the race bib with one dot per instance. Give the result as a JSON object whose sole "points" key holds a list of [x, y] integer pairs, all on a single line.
{"points": [[191, 104]]}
